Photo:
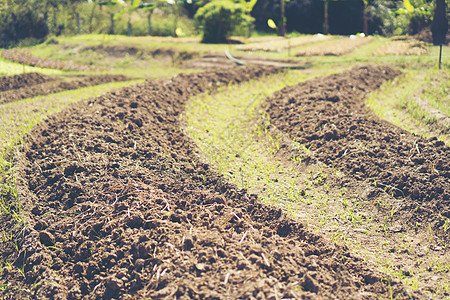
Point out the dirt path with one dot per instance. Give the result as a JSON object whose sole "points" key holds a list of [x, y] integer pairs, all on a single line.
{"points": [[118, 205], [28, 86]]}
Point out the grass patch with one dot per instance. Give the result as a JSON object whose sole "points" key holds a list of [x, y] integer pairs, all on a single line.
{"points": [[12, 68], [219, 124], [140, 65]]}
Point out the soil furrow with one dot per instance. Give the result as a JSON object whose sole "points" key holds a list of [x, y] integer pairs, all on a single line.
{"points": [[34, 89], [23, 80], [118, 205], [328, 116]]}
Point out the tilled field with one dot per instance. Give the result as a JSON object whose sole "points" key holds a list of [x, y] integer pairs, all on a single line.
{"points": [[402, 47], [214, 61], [118, 205], [336, 47], [18, 87], [19, 81], [328, 116]]}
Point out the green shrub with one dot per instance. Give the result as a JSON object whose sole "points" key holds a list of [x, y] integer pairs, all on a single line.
{"points": [[21, 22], [219, 18]]}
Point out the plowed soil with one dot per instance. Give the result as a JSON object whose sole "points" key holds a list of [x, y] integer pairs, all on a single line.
{"points": [[328, 116], [139, 53], [27, 86], [217, 61], [336, 47], [402, 47], [118, 205], [22, 80]]}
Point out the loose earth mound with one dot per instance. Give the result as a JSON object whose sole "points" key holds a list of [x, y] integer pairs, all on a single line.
{"points": [[22, 80], [118, 205], [33, 84]]}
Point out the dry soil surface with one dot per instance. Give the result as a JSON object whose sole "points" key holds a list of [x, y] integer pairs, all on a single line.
{"points": [[30, 85]]}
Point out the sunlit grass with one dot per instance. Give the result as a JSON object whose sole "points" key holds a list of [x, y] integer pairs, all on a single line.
{"points": [[221, 125], [12, 68], [409, 102]]}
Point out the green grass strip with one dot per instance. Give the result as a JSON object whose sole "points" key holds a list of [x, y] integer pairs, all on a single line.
{"points": [[223, 127], [11, 68]]}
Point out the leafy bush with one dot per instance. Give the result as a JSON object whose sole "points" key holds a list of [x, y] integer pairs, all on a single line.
{"points": [[415, 19], [219, 18], [21, 22]]}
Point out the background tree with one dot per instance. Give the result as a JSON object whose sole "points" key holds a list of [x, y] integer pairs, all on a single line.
{"points": [[413, 16], [22, 19], [248, 9], [219, 18], [439, 27], [365, 17]]}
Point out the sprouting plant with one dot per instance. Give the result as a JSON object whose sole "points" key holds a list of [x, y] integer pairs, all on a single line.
{"points": [[345, 202], [336, 236], [431, 233], [35, 285], [353, 218]]}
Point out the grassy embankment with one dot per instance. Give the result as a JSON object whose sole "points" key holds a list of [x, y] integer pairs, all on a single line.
{"points": [[8, 68], [419, 102]]}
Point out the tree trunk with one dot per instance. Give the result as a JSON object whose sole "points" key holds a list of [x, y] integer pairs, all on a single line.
{"points": [[149, 22], [55, 23], [129, 25], [45, 18], [283, 19], [175, 21], [325, 17], [91, 17], [112, 28], [78, 23], [249, 32], [365, 23]]}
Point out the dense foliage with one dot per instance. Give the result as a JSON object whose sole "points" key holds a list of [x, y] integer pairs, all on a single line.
{"points": [[439, 27], [24, 19], [219, 18], [20, 19], [384, 17]]}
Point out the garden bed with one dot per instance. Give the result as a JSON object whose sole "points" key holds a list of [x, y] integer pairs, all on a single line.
{"points": [[45, 85], [402, 47], [329, 117], [336, 47], [281, 45], [118, 204]]}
